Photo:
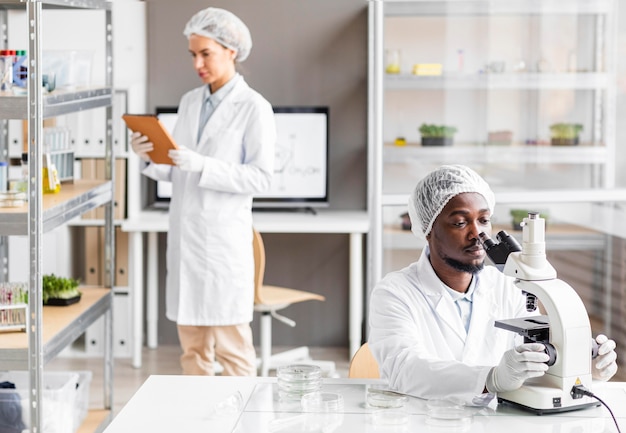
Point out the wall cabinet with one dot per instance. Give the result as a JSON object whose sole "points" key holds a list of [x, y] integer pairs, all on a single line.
{"points": [[51, 329]]}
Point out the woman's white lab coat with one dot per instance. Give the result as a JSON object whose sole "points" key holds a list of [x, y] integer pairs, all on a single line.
{"points": [[419, 340], [210, 266]]}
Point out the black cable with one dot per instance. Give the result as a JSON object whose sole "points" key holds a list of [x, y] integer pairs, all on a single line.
{"points": [[581, 390]]}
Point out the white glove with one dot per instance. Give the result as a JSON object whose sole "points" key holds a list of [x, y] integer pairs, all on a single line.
{"points": [[141, 146], [604, 366], [517, 365], [187, 160]]}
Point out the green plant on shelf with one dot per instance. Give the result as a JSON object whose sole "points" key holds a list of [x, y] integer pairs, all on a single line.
{"points": [[437, 131], [54, 287], [565, 133], [437, 135]]}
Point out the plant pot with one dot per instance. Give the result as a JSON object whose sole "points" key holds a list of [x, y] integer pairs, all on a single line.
{"points": [[564, 141], [437, 141]]}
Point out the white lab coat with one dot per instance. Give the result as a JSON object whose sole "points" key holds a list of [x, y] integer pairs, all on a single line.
{"points": [[418, 338], [210, 264]]}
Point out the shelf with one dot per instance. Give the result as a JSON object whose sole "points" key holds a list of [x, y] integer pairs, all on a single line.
{"points": [[61, 326], [59, 4], [73, 200], [545, 196], [94, 420], [58, 102], [529, 81], [480, 153], [497, 7], [559, 237]]}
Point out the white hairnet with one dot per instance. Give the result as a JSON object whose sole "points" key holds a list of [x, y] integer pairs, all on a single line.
{"points": [[433, 192], [224, 27]]}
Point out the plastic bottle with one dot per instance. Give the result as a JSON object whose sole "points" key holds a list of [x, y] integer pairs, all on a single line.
{"points": [[20, 69], [6, 70], [4, 170], [51, 184]]}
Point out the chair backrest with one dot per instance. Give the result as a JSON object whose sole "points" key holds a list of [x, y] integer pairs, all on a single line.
{"points": [[259, 264], [363, 365]]}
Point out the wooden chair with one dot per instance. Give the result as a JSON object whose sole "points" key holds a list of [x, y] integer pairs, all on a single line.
{"points": [[267, 301], [363, 365]]}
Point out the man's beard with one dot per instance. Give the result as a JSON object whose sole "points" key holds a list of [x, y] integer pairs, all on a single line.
{"points": [[464, 267]]}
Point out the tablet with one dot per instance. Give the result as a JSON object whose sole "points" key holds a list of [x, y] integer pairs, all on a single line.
{"points": [[151, 126]]}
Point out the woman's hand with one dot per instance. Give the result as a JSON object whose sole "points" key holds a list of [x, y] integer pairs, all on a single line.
{"points": [[141, 146], [187, 160]]}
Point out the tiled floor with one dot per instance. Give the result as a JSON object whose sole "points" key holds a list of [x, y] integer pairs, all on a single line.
{"points": [[163, 360]]}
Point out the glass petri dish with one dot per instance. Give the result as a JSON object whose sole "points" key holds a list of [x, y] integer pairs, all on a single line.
{"points": [[299, 372], [296, 380], [448, 413], [379, 397], [322, 402]]}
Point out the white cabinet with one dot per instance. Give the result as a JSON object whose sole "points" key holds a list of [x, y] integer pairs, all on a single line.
{"points": [[51, 329], [502, 73]]}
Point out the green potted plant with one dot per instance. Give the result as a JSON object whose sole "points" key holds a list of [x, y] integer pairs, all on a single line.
{"points": [[565, 134], [59, 290], [437, 135]]}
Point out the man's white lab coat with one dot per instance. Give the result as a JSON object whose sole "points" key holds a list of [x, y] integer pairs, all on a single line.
{"points": [[418, 338]]}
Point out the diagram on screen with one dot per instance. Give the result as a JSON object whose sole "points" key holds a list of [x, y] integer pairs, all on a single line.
{"points": [[300, 155]]}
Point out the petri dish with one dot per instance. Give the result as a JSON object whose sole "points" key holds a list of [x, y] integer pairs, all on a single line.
{"points": [[322, 402], [379, 397], [296, 380], [448, 413], [298, 372]]}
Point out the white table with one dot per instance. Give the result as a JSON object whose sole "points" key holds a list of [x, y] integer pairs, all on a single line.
{"points": [[184, 403], [353, 223]]}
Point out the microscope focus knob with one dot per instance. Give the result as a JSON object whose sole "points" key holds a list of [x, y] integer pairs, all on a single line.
{"points": [[551, 352]]}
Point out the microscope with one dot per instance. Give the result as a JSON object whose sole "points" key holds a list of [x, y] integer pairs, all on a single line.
{"points": [[565, 329]]}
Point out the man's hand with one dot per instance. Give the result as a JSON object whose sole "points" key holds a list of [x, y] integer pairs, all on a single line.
{"points": [[604, 366], [525, 361], [187, 160]]}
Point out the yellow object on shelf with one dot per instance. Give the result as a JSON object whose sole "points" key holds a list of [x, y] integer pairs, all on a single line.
{"points": [[400, 141], [393, 69], [51, 183], [427, 69]]}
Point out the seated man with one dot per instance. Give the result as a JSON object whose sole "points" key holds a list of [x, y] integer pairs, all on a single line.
{"points": [[432, 323]]}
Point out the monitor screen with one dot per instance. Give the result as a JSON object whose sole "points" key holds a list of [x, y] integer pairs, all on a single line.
{"points": [[300, 165]]}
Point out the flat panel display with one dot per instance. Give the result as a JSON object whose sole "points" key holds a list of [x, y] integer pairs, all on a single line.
{"points": [[301, 160]]}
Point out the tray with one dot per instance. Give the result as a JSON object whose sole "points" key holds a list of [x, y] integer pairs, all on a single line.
{"points": [[62, 302]]}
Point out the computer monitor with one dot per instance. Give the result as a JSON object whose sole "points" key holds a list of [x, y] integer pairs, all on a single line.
{"points": [[300, 166]]}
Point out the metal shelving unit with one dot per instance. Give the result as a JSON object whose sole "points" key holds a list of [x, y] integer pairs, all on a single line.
{"points": [[51, 329], [472, 98]]}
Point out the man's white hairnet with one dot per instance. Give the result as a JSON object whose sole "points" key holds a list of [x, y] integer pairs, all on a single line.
{"points": [[434, 191], [224, 27]]}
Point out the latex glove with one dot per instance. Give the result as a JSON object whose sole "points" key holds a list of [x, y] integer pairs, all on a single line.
{"points": [[517, 365], [187, 160], [141, 145], [604, 366]]}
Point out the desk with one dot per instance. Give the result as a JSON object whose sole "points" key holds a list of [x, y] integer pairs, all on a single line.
{"points": [[353, 223], [183, 403]]}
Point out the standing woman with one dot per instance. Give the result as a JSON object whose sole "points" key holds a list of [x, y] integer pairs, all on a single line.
{"points": [[226, 134]]}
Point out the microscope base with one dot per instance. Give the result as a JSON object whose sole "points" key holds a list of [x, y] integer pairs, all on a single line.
{"points": [[550, 410]]}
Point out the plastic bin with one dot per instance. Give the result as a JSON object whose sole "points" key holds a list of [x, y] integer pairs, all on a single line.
{"points": [[58, 405], [81, 406]]}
